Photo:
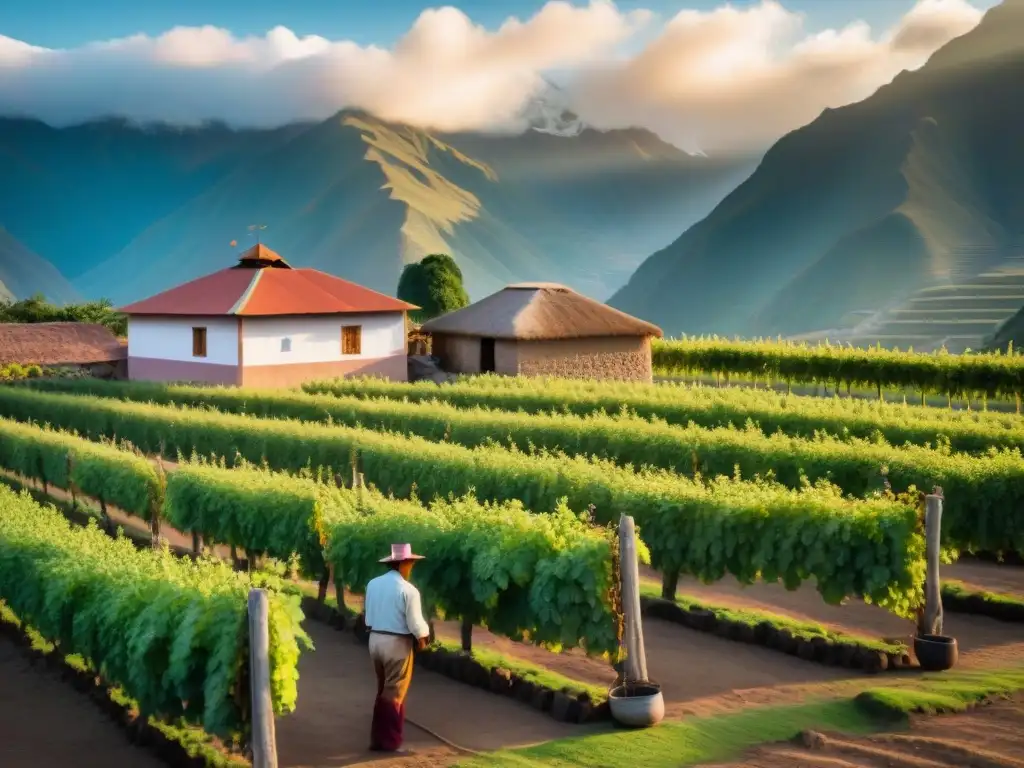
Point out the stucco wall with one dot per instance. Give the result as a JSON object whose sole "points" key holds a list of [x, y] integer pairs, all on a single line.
{"points": [[318, 339], [170, 338], [394, 367], [158, 369], [602, 358]]}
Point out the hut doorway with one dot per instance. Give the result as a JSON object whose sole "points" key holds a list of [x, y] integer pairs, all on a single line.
{"points": [[487, 355]]}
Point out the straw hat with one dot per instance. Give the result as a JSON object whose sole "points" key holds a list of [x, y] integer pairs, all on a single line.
{"points": [[400, 553]]}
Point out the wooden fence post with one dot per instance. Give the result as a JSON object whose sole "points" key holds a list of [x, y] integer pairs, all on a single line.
{"points": [[930, 622], [635, 669], [264, 739], [71, 483]]}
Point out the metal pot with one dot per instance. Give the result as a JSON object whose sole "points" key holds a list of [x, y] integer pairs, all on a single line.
{"points": [[638, 705], [936, 653]]}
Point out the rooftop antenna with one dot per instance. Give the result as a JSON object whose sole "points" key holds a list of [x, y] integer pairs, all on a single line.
{"points": [[255, 229]]}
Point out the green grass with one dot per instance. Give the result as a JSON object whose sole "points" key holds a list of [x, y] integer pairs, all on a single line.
{"points": [[193, 740], [727, 736], [804, 630]]}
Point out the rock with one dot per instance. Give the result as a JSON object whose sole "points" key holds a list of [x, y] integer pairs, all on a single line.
{"points": [[813, 740], [560, 704], [874, 662], [525, 691], [542, 699], [501, 681]]}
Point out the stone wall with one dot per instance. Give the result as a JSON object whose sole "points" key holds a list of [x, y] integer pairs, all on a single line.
{"points": [[626, 358]]}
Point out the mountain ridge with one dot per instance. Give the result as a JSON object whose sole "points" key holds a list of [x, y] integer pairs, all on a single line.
{"points": [[889, 189], [352, 195]]}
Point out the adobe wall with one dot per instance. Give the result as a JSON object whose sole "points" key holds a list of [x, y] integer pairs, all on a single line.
{"points": [[619, 357], [458, 354]]}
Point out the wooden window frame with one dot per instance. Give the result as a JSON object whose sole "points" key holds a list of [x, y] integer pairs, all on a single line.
{"points": [[199, 338], [347, 333]]}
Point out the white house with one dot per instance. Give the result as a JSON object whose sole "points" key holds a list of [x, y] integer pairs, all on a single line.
{"points": [[262, 323]]}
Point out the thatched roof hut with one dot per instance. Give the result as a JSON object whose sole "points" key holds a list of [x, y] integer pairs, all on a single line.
{"points": [[543, 329], [57, 344]]}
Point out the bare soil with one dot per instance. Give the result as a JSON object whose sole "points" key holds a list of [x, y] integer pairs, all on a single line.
{"points": [[990, 736], [979, 638], [46, 722], [336, 691]]}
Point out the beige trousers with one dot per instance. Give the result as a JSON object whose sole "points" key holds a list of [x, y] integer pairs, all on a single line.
{"points": [[392, 661]]}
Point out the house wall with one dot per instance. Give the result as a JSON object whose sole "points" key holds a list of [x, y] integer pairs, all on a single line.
{"points": [[616, 357], [619, 357], [318, 339], [170, 338], [160, 349], [458, 354], [315, 349]]}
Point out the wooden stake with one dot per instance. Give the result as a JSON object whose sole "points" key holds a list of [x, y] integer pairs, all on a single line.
{"points": [[931, 619], [635, 669], [264, 740]]}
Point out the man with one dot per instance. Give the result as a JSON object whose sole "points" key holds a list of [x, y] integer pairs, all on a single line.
{"points": [[394, 619]]}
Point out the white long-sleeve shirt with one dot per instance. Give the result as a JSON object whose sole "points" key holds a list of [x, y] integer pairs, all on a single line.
{"points": [[392, 605]]}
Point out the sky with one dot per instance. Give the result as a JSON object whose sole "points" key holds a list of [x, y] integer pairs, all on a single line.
{"points": [[705, 75]]}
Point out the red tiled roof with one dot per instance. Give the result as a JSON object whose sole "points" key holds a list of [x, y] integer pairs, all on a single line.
{"points": [[264, 291], [58, 344]]}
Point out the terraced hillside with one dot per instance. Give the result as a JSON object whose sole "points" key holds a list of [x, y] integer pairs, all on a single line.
{"points": [[984, 289]]}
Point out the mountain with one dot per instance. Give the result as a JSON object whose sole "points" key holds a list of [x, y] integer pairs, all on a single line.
{"points": [[78, 195], [24, 274], [128, 210], [845, 221]]}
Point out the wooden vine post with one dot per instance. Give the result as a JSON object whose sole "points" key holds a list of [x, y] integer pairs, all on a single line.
{"points": [[71, 483], [264, 738], [154, 505], [930, 619], [635, 664]]}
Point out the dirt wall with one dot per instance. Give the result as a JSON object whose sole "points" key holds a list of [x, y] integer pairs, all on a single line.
{"points": [[602, 358]]}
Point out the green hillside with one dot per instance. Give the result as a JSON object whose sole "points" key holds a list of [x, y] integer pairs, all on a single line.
{"points": [[360, 198], [855, 213], [24, 274]]}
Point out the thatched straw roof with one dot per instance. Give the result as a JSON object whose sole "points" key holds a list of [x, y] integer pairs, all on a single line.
{"points": [[539, 311], [58, 344]]}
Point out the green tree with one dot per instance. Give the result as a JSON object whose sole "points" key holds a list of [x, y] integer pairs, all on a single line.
{"points": [[433, 284]]}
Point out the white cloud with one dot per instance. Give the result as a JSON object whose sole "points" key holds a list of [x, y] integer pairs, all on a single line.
{"points": [[740, 78], [722, 79]]}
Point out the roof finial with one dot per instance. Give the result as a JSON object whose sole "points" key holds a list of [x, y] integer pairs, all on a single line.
{"points": [[255, 229]]}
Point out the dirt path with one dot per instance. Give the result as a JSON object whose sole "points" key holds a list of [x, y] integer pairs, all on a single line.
{"points": [[331, 726], [46, 722], [989, 737], [990, 576], [976, 635]]}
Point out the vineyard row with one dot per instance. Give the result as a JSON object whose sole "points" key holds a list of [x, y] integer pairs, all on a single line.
{"points": [[868, 548], [172, 634], [991, 374], [631, 406], [985, 507]]}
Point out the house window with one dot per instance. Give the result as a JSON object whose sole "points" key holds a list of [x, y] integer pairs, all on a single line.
{"points": [[286, 345], [198, 342], [351, 339]]}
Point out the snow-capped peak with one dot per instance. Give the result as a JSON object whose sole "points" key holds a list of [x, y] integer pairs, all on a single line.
{"points": [[548, 112]]}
